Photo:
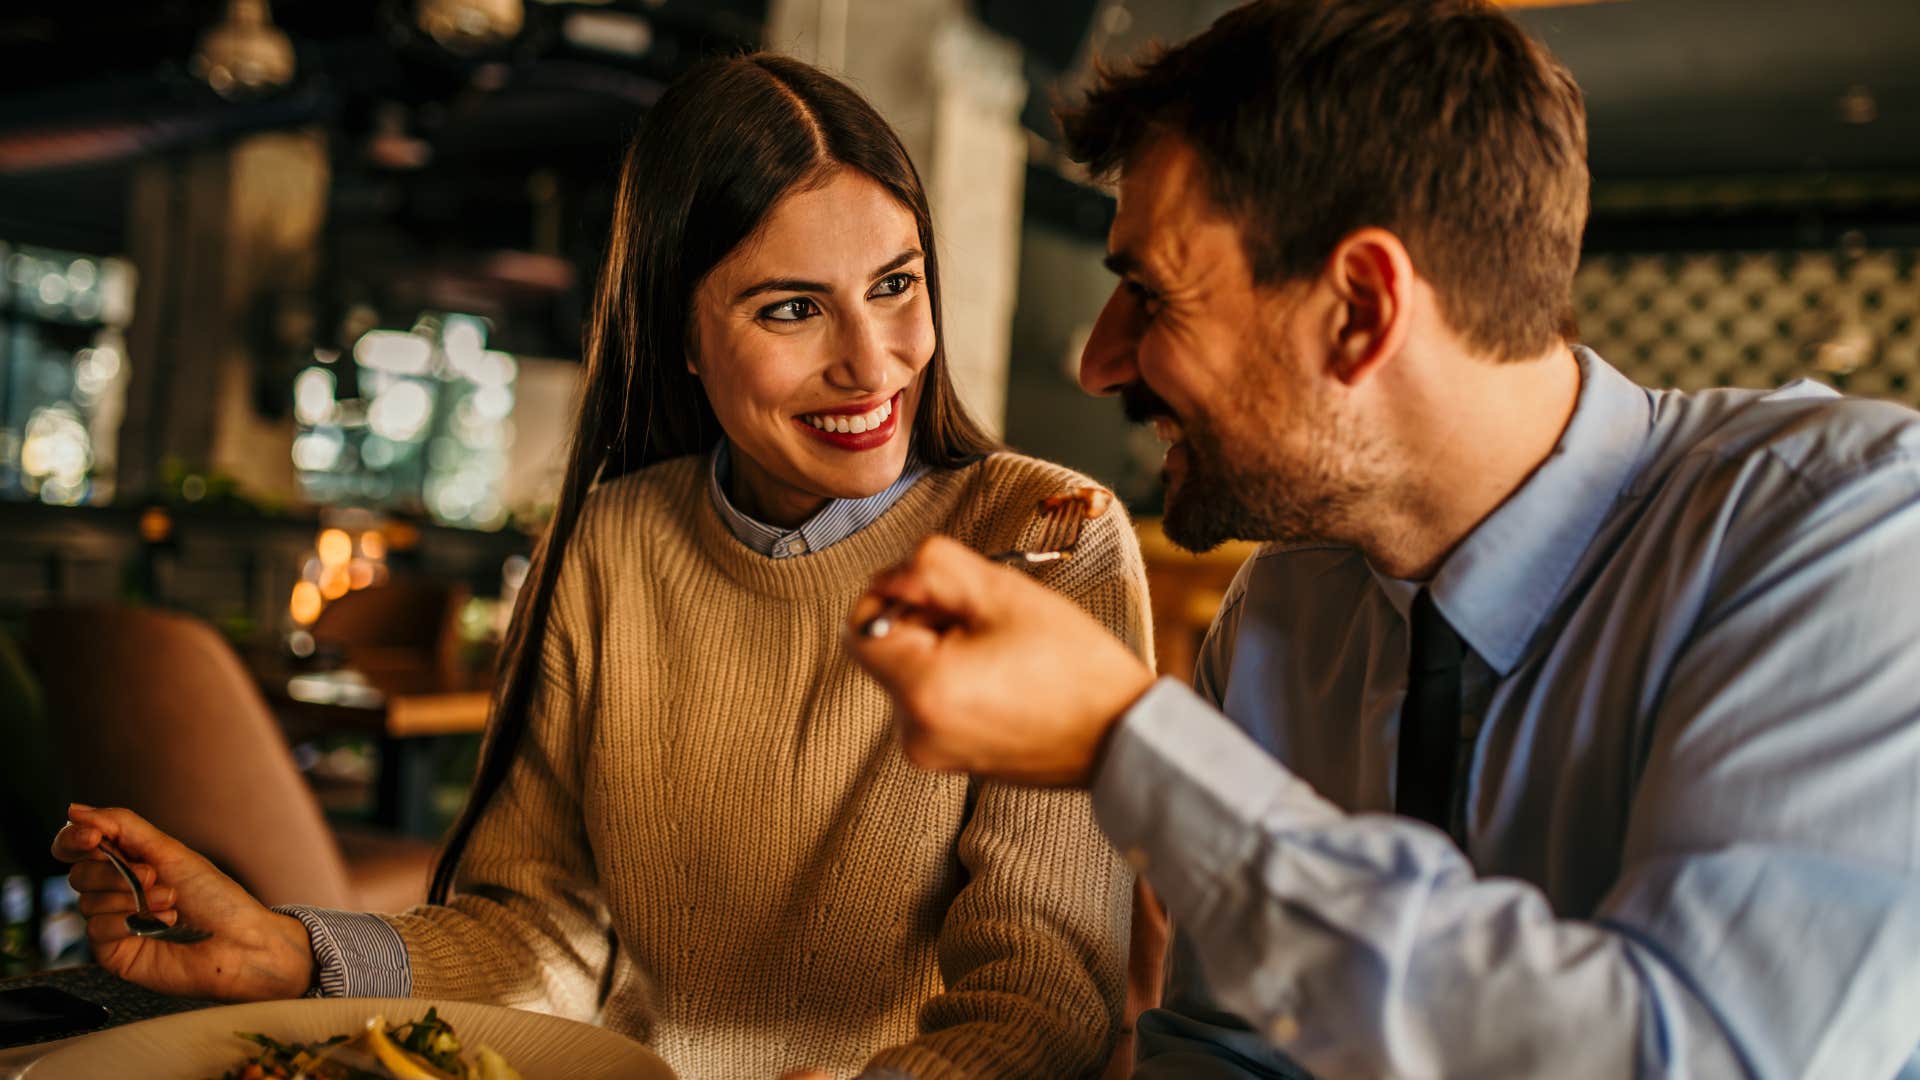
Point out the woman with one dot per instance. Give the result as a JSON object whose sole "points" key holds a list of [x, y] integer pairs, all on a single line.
{"points": [[691, 817]]}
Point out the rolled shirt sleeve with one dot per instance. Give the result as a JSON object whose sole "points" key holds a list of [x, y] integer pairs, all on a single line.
{"points": [[354, 954]]}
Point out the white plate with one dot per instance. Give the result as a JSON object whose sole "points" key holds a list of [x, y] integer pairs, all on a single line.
{"points": [[200, 1044]]}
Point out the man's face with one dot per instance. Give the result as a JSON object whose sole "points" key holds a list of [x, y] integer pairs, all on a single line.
{"points": [[1263, 445]]}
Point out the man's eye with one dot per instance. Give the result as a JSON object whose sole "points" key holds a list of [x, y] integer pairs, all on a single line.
{"points": [[895, 284], [793, 310], [1144, 298]]}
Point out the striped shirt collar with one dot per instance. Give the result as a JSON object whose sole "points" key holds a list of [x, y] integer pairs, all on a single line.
{"points": [[834, 522]]}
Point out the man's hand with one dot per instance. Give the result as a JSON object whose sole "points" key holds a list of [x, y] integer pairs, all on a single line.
{"points": [[995, 674]]}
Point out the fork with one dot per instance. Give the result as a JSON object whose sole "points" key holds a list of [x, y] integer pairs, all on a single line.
{"points": [[143, 922], [1060, 525]]}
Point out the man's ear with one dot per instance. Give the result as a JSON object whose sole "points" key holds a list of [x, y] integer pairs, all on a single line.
{"points": [[1372, 279]]}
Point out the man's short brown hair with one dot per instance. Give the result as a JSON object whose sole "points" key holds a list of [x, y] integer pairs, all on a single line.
{"points": [[1438, 120]]}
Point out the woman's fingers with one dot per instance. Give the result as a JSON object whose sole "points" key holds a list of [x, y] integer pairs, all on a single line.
{"points": [[134, 835], [104, 930], [122, 903], [105, 903], [75, 842], [98, 875]]}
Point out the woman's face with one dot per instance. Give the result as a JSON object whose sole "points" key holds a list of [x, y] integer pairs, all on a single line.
{"points": [[811, 339]]}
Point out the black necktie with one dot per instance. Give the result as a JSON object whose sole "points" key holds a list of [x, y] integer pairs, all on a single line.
{"points": [[1430, 718]]}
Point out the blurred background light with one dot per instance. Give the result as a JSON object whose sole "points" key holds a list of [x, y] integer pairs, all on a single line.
{"points": [[395, 352], [401, 411], [245, 54]]}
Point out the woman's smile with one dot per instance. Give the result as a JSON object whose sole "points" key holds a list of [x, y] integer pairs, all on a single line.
{"points": [[858, 427]]}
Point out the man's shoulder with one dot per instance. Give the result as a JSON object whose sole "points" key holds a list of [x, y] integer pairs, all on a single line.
{"points": [[1803, 434], [1292, 573]]}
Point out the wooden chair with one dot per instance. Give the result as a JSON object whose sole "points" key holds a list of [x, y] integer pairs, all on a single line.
{"points": [[154, 711], [32, 802], [402, 633]]}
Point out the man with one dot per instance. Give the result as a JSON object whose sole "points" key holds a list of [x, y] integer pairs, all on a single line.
{"points": [[1562, 727]]}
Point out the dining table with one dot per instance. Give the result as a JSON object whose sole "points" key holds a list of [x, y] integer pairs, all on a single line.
{"points": [[124, 1002]]}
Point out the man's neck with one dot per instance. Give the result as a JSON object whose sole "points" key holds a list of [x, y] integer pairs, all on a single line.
{"points": [[1482, 428]]}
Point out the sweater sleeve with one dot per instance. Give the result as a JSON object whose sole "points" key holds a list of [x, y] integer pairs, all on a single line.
{"points": [[526, 925], [1034, 947]]}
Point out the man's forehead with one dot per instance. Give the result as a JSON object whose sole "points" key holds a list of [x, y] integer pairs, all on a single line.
{"points": [[1162, 197]]}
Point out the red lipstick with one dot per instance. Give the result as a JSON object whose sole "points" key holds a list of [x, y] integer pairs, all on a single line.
{"points": [[871, 439]]}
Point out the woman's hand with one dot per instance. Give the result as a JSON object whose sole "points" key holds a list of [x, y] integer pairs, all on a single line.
{"points": [[254, 954]]}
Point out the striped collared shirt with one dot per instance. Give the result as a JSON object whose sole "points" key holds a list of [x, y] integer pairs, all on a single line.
{"points": [[834, 522]]}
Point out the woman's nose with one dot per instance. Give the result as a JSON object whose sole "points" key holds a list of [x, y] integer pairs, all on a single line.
{"points": [[864, 364]]}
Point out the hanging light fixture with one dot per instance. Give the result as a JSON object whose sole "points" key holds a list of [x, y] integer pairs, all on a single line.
{"points": [[245, 54], [470, 25]]}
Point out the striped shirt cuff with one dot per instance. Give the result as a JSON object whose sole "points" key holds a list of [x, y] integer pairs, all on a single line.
{"points": [[354, 954]]}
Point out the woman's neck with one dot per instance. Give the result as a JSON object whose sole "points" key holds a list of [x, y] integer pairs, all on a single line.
{"points": [[758, 495]]}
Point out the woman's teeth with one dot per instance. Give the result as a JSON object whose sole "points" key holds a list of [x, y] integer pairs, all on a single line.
{"points": [[853, 425]]}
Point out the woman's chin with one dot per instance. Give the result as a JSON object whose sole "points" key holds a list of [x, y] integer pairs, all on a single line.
{"points": [[858, 479]]}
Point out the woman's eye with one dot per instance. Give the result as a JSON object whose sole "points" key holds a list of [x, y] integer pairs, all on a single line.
{"points": [[793, 310], [895, 284]]}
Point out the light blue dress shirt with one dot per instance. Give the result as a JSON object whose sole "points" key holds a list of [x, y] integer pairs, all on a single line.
{"points": [[1691, 812]]}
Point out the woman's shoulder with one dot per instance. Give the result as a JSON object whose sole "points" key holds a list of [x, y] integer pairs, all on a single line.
{"points": [[671, 486], [1008, 474], [1106, 575], [625, 520], [1003, 509]]}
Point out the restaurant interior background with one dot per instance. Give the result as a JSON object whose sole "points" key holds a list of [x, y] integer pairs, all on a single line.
{"points": [[290, 306]]}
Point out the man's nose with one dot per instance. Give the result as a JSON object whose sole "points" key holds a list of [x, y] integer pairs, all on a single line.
{"points": [[1108, 362]]}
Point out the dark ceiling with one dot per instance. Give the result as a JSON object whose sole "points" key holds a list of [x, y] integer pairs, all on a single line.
{"points": [[90, 88], [1693, 87], [1675, 88]]}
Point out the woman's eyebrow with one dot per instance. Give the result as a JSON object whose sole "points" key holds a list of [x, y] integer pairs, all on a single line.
{"points": [[781, 285], [803, 286], [897, 262]]}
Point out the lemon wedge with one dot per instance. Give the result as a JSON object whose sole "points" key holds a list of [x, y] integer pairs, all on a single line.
{"points": [[495, 1067], [398, 1061]]}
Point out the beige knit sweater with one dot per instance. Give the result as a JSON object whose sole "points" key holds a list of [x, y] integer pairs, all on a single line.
{"points": [[710, 776]]}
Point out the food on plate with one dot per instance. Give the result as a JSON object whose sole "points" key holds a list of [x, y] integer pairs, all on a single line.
{"points": [[425, 1049], [1092, 501]]}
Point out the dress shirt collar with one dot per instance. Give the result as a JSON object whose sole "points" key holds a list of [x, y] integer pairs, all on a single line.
{"points": [[834, 522], [1498, 586]]}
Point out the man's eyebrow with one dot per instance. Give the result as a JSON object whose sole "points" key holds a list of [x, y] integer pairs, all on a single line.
{"points": [[803, 286]]}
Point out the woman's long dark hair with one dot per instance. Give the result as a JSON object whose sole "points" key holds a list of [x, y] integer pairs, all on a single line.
{"points": [[720, 148]]}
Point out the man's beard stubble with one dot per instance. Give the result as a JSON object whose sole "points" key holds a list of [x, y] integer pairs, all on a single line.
{"points": [[1271, 485]]}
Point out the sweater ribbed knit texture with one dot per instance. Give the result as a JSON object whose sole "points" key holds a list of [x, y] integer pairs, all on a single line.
{"points": [[708, 776]]}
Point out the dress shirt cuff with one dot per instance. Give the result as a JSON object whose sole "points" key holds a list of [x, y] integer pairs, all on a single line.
{"points": [[354, 954], [1185, 795]]}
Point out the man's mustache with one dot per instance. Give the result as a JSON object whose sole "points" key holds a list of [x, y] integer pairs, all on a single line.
{"points": [[1141, 404]]}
